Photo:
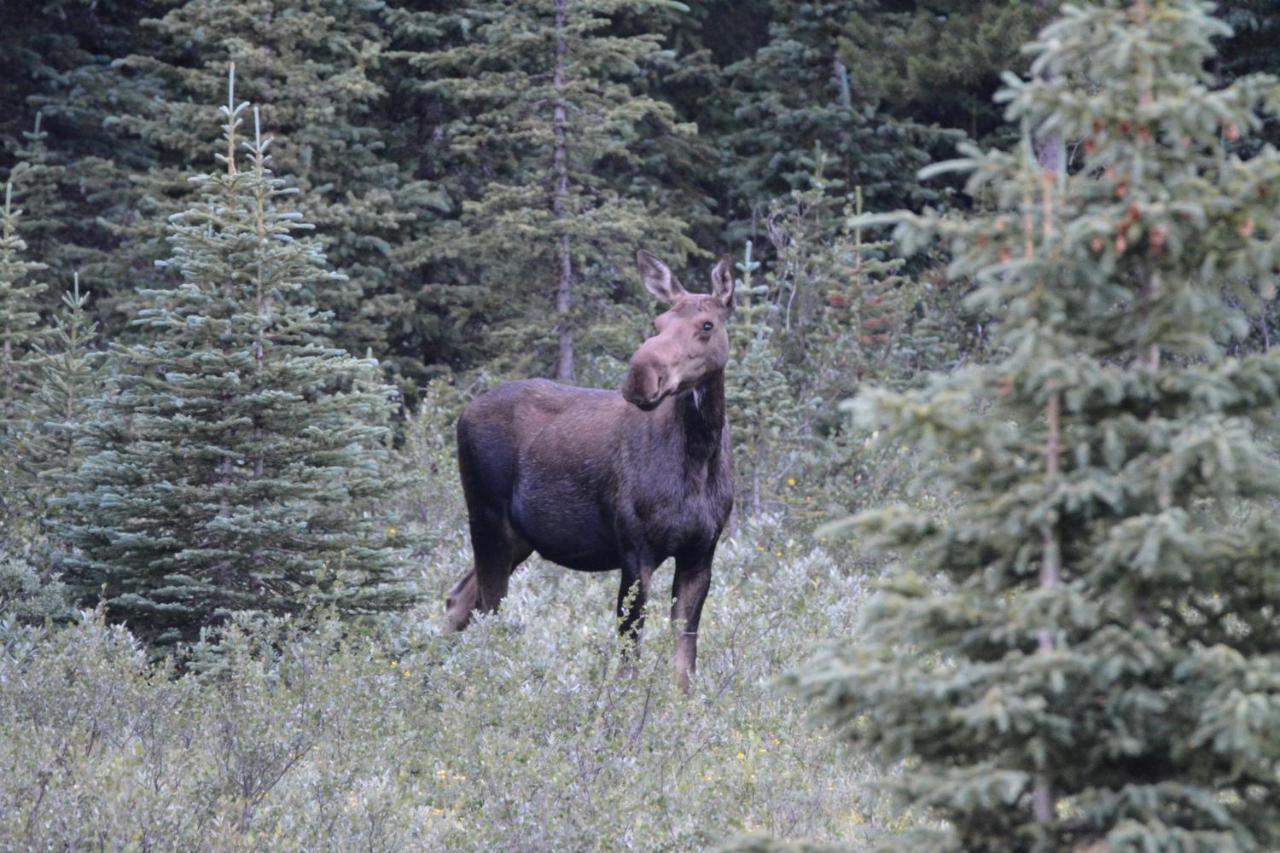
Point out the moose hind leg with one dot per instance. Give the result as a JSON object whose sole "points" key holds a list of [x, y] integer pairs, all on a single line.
{"points": [[460, 602], [498, 550]]}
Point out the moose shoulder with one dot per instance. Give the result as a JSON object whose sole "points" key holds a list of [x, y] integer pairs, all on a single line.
{"points": [[598, 480]]}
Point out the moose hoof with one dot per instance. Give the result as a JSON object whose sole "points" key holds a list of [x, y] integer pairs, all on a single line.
{"points": [[453, 620]]}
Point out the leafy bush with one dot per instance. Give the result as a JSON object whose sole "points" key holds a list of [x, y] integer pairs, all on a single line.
{"points": [[27, 594]]}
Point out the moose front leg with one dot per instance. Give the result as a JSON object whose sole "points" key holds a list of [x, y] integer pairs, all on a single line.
{"points": [[633, 594], [689, 589]]}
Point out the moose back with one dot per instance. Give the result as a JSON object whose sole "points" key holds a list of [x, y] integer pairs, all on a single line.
{"points": [[598, 480]]}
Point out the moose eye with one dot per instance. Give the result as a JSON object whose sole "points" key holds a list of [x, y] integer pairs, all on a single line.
{"points": [[708, 326]]}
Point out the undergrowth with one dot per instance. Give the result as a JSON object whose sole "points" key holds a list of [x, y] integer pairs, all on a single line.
{"points": [[518, 734]]}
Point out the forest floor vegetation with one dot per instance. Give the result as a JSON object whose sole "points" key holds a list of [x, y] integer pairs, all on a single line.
{"points": [[517, 734]]}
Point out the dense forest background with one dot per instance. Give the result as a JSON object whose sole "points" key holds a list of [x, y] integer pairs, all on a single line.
{"points": [[426, 145], [255, 255], [422, 137]]}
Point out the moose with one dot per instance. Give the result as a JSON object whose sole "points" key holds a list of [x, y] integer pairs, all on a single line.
{"points": [[597, 480]]}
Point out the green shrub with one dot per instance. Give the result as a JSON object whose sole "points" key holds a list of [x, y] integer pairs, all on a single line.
{"points": [[516, 734]]}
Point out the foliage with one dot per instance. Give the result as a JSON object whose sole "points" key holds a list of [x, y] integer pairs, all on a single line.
{"points": [[1082, 656], [316, 66], [40, 182], [479, 175], [67, 375], [19, 311], [832, 316], [791, 98], [940, 61], [731, 99], [20, 333], [548, 100], [227, 466], [311, 736], [27, 595], [763, 402]]}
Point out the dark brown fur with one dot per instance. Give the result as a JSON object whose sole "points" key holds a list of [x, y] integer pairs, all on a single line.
{"points": [[598, 480]]}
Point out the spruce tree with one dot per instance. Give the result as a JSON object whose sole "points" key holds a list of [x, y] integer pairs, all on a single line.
{"points": [[19, 311], [231, 464], [1083, 654], [866, 312], [549, 112], [20, 334], [794, 95], [759, 392], [38, 178], [67, 374], [331, 136]]}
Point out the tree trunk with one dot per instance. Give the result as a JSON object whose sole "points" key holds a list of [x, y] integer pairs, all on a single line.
{"points": [[1049, 151], [842, 84], [564, 292]]}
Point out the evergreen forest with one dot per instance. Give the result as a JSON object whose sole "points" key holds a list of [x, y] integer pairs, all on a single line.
{"points": [[1003, 567]]}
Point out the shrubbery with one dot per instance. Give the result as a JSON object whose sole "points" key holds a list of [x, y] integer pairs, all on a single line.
{"points": [[517, 734]]}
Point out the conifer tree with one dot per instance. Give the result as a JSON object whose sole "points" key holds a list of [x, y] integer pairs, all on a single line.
{"points": [[67, 374], [793, 95], [759, 393], [19, 311], [231, 463], [865, 312], [330, 137], [548, 102], [20, 333], [1083, 655], [38, 179]]}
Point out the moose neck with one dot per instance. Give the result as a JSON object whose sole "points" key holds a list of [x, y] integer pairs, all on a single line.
{"points": [[699, 416]]}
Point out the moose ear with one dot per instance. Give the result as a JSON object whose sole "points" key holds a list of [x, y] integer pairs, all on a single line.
{"points": [[657, 278], [722, 282]]}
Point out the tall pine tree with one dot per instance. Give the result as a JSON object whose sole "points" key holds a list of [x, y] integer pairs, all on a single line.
{"points": [[547, 103], [66, 375], [19, 311], [39, 178], [1084, 655], [331, 136], [792, 97], [230, 464], [20, 334]]}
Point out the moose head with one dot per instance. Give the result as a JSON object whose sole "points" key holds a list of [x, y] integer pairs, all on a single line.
{"points": [[691, 343]]}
